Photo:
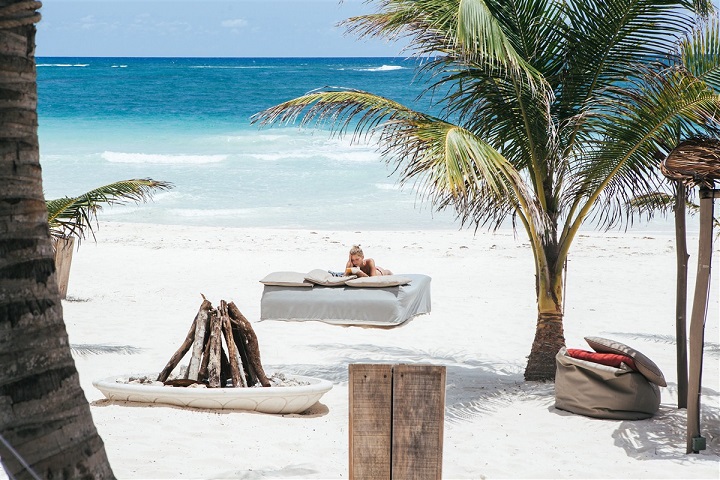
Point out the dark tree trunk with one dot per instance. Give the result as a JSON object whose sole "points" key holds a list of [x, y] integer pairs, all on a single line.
{"points": [[549, 339], [44, 415]]}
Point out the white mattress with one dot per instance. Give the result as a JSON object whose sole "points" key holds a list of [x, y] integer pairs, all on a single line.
{"points": [[348, 305]]}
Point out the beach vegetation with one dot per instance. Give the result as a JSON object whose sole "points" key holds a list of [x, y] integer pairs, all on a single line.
{"points": [[75, 216], [666, 203], [552, 115]]}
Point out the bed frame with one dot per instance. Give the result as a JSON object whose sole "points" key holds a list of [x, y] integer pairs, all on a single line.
{"points": [[344, 305]]}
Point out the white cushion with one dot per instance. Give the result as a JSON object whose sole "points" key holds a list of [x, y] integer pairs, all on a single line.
{"points": [[325, 278], [379, 281], [286, 279]]}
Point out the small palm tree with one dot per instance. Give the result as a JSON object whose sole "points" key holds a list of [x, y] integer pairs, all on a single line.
{"points": [[72, 216]]}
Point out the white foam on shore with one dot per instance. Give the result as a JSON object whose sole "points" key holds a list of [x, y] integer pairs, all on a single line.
{"points": [[122, 157], [383, 68]]}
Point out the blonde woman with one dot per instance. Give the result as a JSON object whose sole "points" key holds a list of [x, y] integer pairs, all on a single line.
{"points": [[358, 265]]}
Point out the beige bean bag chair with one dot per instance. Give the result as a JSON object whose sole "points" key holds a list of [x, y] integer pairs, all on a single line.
{"points": [[615, 381]]}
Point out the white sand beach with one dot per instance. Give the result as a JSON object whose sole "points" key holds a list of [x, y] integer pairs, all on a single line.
{"points": [[140, 286]]}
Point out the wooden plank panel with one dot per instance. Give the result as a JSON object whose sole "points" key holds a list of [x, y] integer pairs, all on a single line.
{"points": [[370, 411], [63, 260], [418, 418]]}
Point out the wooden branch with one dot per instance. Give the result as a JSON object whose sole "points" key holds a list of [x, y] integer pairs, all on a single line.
{"points": [[236, 369], [253, 349], [225, 373], [180, 353], [241, 344], [201, 324], [203, 374], [213, 368]]}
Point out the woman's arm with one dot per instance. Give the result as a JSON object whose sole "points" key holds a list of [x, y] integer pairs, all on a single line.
{"points": [[371, 264], [351, 269]]}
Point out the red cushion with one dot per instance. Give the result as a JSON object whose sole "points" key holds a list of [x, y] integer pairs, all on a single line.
{"points": [[609, 359]]}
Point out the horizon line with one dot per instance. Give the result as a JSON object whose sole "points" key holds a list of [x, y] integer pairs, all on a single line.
{"points": [[228, 57]]}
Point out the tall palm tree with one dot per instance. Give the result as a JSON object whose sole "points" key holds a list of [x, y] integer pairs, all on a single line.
{"points": [[554, 113], [46, 429]]}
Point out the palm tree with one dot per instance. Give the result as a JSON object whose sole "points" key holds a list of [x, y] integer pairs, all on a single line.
{"points": [[72, 216], [46, 429], [554, 113]]}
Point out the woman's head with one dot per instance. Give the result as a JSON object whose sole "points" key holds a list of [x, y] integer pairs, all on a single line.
{"points": [[356, 255]]}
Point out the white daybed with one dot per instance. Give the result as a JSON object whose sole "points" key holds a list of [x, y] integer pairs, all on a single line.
{"points": [[365, 303]]}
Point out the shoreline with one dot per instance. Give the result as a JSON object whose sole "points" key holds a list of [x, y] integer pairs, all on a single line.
{"points": [[140, 286]]}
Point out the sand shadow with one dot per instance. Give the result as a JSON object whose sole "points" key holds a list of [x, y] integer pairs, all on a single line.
{"points": [[664, 435], [85, 349], [289, 471], [473, 387]]}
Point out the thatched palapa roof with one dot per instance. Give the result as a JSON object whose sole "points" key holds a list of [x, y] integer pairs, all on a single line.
{"points": [[695, 162]]}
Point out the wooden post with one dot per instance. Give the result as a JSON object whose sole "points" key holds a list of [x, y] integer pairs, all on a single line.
{"points": [[418, 414], [697, 319], [370, 412], [681, 293], [396, 421], [63, 260]]}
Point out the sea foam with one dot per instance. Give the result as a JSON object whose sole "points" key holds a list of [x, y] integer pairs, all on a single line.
{"points": [[62, 64], [121, 157], [383, 68]]}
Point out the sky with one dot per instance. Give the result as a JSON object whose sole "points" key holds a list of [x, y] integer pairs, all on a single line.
{"points": [[204, 28]]}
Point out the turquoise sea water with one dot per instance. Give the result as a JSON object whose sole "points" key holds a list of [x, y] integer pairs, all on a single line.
{"points": [[187, 121]]}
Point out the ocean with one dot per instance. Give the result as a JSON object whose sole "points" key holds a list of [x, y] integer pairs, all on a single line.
{"points": [[187, 121]]}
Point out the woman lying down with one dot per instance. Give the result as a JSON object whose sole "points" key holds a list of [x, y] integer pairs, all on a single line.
{"points": [[358, 265]]}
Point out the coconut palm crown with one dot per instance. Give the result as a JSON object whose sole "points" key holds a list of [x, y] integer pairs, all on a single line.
{"points": [[551, 114], [73, 216]]}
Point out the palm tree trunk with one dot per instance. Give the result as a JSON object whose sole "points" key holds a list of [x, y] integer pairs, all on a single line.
{"points": [[549, 334], [45, 422], [549, 339]]}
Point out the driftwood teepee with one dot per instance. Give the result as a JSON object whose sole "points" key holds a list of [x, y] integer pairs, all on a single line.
{"points": [[695, 163], [225, 350]]}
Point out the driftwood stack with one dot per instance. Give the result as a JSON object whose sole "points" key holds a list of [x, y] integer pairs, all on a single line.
{"points": [[225, 351]]}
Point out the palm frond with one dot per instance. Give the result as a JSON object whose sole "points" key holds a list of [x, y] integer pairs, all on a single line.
{"points": [[700, 52], [665, 204], [446, 162], [466, 31], [338, 108], [453, 167], [635, 122], [72, 216], [605, 40]]}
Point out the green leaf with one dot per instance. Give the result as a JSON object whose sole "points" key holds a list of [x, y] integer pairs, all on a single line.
{"points": [[72, 216]]}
